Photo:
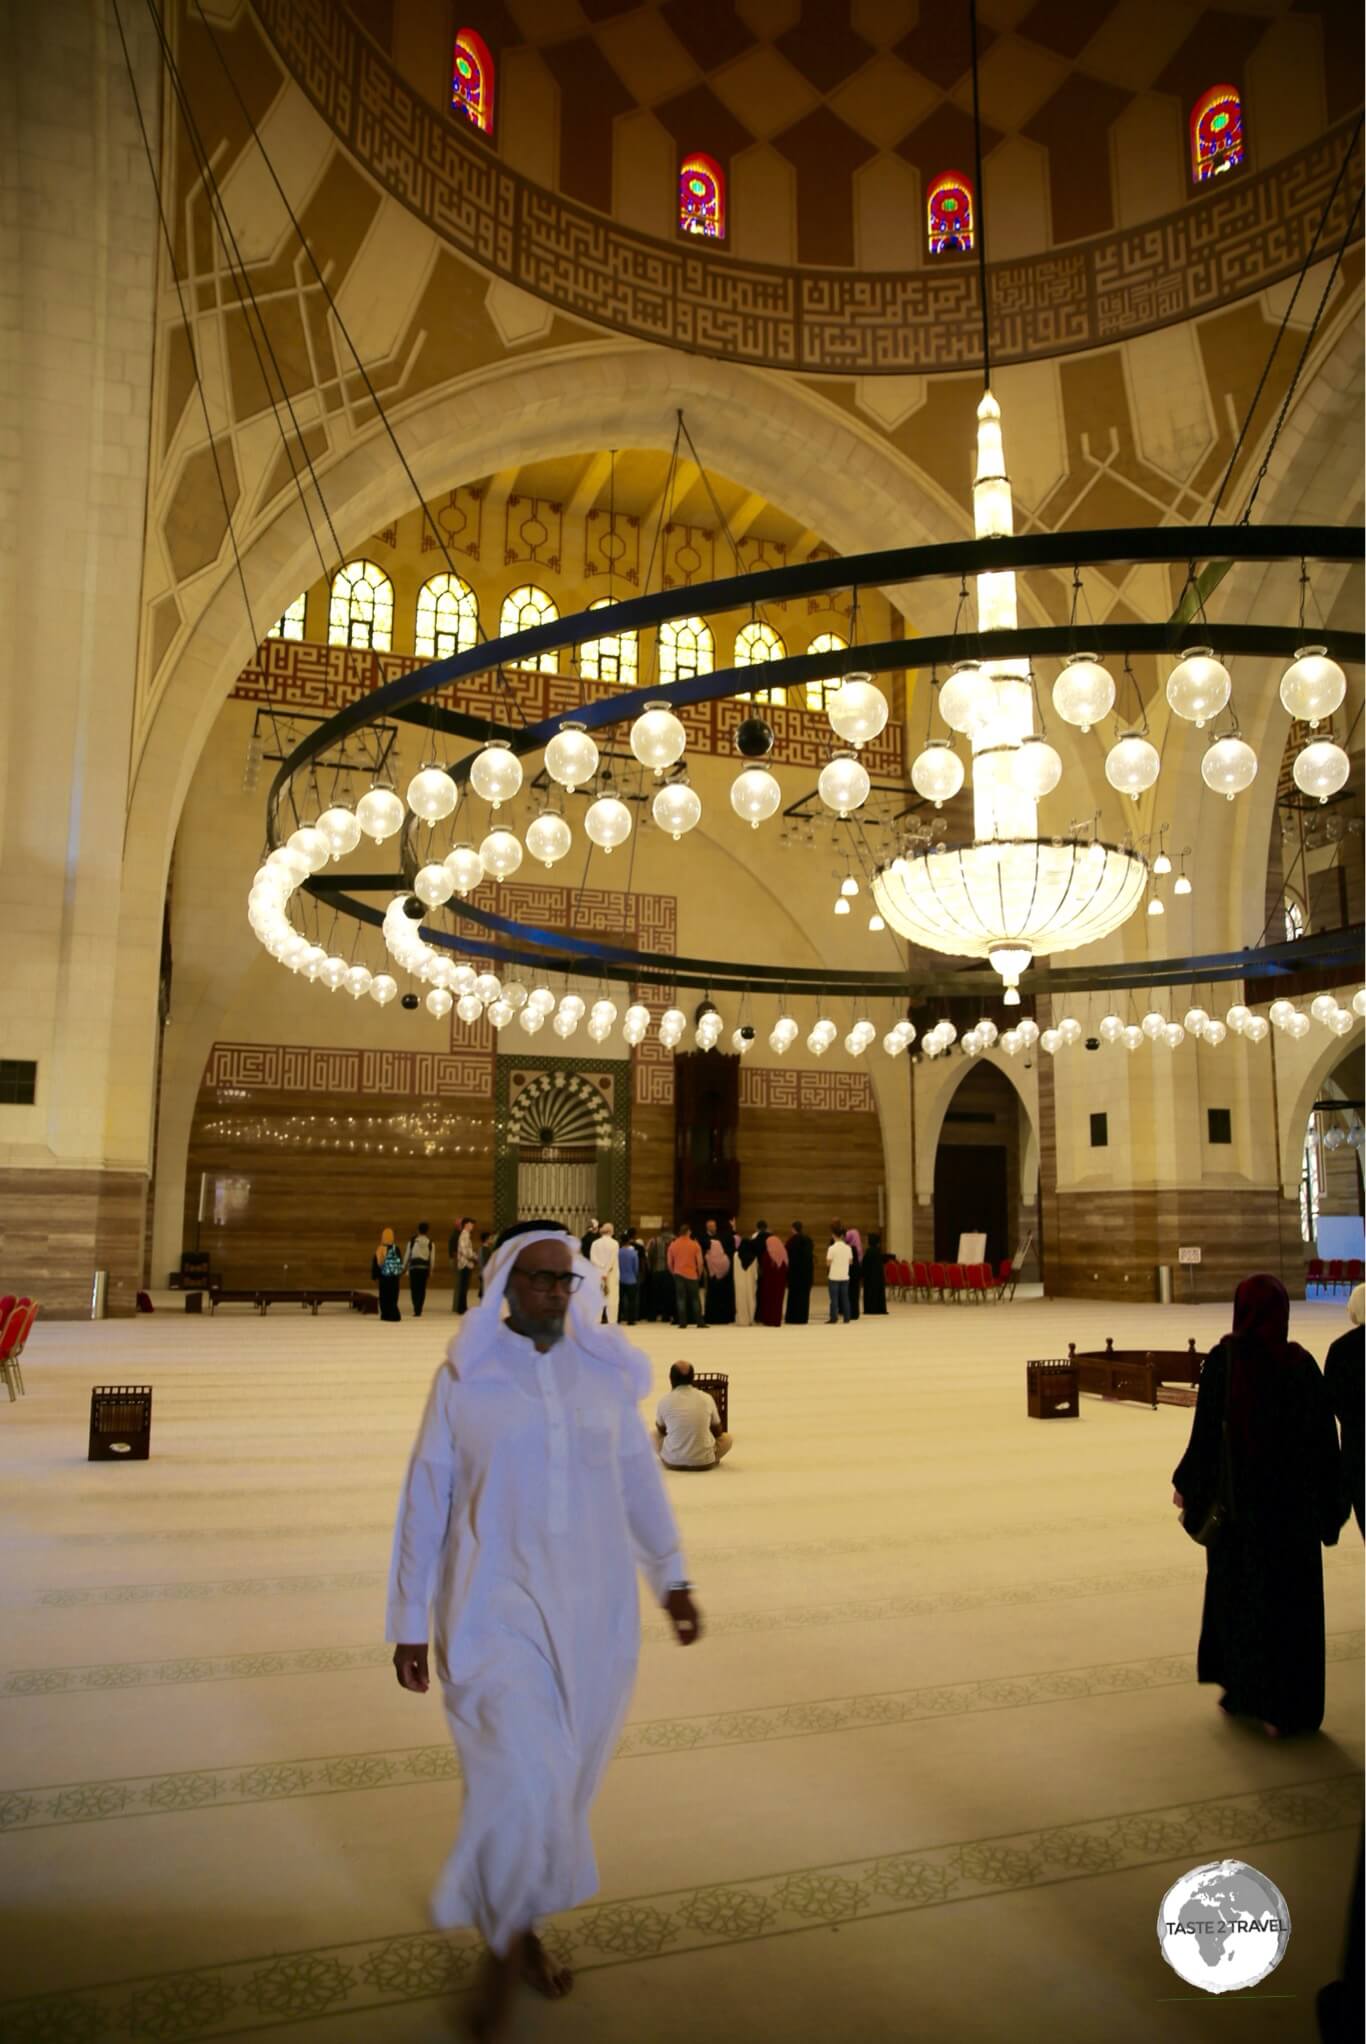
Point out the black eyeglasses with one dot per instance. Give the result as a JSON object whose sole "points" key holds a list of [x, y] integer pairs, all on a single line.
{"points": [[545, 1282]]}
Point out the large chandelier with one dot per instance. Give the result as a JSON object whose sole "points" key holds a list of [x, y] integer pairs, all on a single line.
{"points": [[1009, 896]]}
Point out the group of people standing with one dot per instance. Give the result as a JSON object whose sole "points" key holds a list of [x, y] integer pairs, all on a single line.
{"points": [[722, 1278], [470, 1248]]}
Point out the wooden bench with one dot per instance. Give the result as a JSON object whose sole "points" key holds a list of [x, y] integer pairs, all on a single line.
{"points": [[1135, 1376], [263, 1297]]}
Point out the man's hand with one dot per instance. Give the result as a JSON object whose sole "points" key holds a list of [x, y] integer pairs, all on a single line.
{"points": [[683, 1616], [410, 1666]]}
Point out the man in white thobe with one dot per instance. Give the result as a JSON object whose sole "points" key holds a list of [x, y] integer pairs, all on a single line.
{"points": [[531, 1498], [605, 1255]]}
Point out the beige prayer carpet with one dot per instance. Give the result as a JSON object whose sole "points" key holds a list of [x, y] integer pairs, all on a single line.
{"points": [[928, 1775]]}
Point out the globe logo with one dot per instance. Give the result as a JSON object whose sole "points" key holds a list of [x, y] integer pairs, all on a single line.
{"points": [[1223, 1927]]}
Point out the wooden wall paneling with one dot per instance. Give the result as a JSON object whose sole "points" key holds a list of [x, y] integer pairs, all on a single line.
{"points": [[58, 1227], [652, 1161], [813, 1168], [1112, 1242]]}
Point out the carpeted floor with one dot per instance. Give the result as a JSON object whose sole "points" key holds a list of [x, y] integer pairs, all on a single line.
{"points": [[928, 1775]]}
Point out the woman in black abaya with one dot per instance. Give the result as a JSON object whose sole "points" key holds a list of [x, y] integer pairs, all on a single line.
{"points": [[1261, 1635], [801, 1265], [874, 1277]]}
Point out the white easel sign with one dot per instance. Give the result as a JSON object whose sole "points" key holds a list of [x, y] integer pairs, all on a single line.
{"points": [[1188, 1255]]}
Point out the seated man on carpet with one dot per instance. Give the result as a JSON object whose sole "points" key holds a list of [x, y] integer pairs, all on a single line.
{"points": [[687, 1425]]}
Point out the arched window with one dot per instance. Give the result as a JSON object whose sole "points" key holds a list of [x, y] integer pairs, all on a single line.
{"points": [[949, 214], [702, 196], [291, 624], [1294, 919], [472, 80], [1216, 133], [686, 648], [362, 609], [522, 609], [755, 646], [611, 659], [447, 618], [818, 693]]}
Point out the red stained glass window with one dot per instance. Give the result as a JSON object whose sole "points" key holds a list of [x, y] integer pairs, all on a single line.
{"points": [[949, 214], [472, 80], [702, 196], [1216, 134]]}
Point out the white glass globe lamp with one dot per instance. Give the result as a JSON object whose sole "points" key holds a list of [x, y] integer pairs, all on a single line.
{"points": [[1341, 1020], [1196, 1021], [339, 826], [986, 1029], [486, 987], [1229, 765], [673, 1019], [515, 994], [1298, 1026], [599, 1031], [1132, 1037], [432, 794], [464, 981], [311, 846], [1320, 768], [383, 989], [894, 1045], [817, 1045], [1027, 1031], [1132, 764], [677, 809], [379, 813], [1238, 1017], [572, 1004], [1214, 1031], [1359, 1001], [637, 1016], [937, 773], [1036, 768], [755, 794], [501, 853], [971, 1044], [540, 998], [1084, 692], [1010, 1042], [1279, 1013], [1256, 1029], [439, 1003], [289, 866], [1313, 686], [1050, 1041], [843, 783], [499, 1014], [1198, 686], [1111, 1029], [548, 838], [530, 1019], [1173, 1035], [433, 884], [658, 738], [1153, 1024], [565, 1025], [967, 698], [333, 973], [607, 822], [857, 711], [469, 1007], [465, 867], [315, 958], [1323, 1006], [358, 980], [1070, 1031], [605, 1011], [496, 774], [571, 758]]}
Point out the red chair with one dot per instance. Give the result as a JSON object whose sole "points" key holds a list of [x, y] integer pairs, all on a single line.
{"points": [[1313, 1274], [936, 1279], [920, 1280], [955, 1280], [1356, 1270], [6, 1306], [1334, 1276], [1005, 1276], [12, 1340]]}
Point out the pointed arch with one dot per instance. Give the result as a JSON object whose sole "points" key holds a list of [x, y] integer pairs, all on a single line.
{"points": [[702, 196], [1216, 133], [950, 214], [361, 611], [523, 608], [447, 618], [472, 80]]}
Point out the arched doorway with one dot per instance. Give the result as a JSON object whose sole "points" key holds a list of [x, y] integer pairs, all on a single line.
{"points": [[978, 1165], [560, 1142], [1332, 1193]]}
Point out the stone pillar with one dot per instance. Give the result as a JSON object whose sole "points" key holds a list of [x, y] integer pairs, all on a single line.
{"points": [[77, 257]]}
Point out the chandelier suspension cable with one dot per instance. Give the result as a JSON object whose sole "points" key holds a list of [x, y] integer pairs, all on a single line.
{"points": [[186, 325], [1277, 337], [237, 270], [980, 218], [1303, 355]]}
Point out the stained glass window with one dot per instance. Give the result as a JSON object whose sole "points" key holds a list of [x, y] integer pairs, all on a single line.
{"points": [[818, 693], [755, 645], [1216, 133], [949, 218], [472, 80], [291, 624], [686, 648], [447, 618], [702, 196], [522, 609], [611, 659], [361, 612]]}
